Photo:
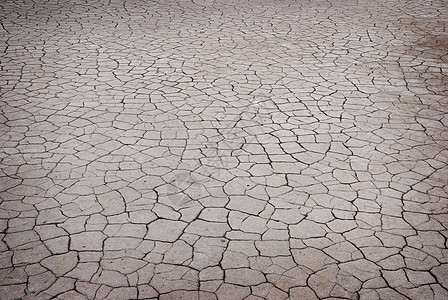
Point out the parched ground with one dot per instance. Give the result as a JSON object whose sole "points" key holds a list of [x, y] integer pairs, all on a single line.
{"points": [[227, 149]]}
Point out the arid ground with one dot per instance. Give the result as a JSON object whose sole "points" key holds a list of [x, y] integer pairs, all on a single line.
{"points": [[263, 149]]}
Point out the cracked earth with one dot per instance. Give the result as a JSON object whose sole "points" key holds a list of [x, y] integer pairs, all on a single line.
{"points": [[224, 149]]}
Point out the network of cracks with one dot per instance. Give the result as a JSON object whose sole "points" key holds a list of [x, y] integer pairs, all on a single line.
{"points": [[281, 149]]}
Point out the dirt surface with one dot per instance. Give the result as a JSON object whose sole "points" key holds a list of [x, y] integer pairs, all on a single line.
{"points": [[223, 149]]}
